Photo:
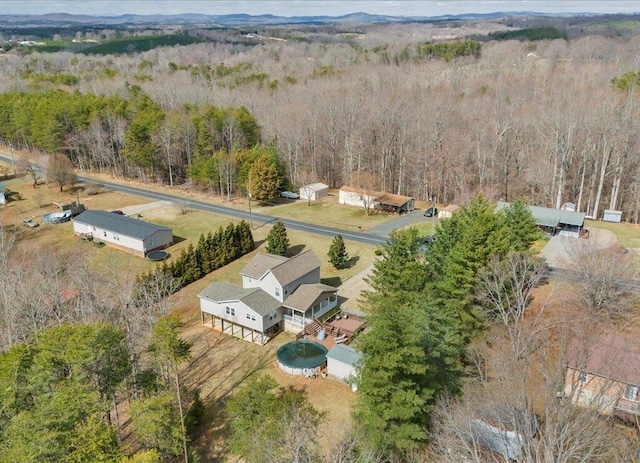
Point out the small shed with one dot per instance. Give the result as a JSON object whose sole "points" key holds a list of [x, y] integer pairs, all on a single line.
{"points": [[2, 199], [342, 361], [314, 191], [447, 212], [612, 216], [123, 232]]}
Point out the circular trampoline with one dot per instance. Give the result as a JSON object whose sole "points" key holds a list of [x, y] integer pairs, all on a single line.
{"points": [[302, 358], [157, 255]]}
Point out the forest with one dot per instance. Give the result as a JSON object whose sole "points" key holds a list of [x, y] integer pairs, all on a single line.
{"points": [[455, 112], [541, 119]]}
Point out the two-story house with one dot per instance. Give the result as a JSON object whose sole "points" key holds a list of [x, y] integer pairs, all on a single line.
{"points": [[277, 293]]}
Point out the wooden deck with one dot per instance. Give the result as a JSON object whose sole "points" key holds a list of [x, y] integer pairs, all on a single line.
{"points": [[340, 329]]}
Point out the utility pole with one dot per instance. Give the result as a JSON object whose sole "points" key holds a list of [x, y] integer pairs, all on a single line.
{"points": [[250, 213], [13, 162]]}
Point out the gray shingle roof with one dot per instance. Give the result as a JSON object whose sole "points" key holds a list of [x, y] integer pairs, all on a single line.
{"points": [[296, 267], [286, 270], [261, 264], [119, 224], [306, 296], [549, 217], [255, 298], [345, 354]]}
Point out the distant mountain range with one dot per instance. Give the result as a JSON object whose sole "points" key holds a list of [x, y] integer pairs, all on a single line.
{"points": [[65, 19]]}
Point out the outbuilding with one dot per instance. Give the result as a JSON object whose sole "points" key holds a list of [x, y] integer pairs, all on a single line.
{"points": [[314, 191], [342, 361], [118, 231]]}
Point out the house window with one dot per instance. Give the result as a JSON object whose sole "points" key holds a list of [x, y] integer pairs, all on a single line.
{"points": [[116, 237], [286, 290], [277, 292], [253, 318], [150, 241], [582, 377], [104, 233], [248, 316], [230, 311], [631, 393]]}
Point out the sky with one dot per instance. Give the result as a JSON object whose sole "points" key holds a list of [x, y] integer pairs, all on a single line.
{"points": [[312, 7]]}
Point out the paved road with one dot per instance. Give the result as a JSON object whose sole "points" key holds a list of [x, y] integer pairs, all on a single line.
{"points": [[258, 219]]}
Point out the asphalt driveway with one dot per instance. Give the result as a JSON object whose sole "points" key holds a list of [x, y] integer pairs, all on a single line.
{"points": [[404, 220]]}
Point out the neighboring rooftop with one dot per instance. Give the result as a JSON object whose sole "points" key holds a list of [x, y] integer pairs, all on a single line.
{"points": [[119, 224], [612, 356], [549, 217], [394, 200]]}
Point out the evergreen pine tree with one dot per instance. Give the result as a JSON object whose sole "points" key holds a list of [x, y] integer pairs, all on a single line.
{"points": [[277, 240], [521, 226], [338, 252], [244, 236]]}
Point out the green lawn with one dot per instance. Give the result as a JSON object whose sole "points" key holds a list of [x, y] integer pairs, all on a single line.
{"points": [[326, 212]]}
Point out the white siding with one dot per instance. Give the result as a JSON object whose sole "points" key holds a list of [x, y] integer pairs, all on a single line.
{"points": [[270, 285], [339, 369], [107, 236], [248, 282], [238, 315]]}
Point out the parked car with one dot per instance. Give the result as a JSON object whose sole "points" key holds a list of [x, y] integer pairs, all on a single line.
{"points": [[289, 195], [431, 212], [30, 223], [118, 212]]}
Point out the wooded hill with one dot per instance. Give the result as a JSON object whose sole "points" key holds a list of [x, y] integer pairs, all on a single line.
{"points": [[382, 106]]}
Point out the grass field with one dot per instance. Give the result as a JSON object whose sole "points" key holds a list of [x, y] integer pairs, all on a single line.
{"points": [[628, 234]]}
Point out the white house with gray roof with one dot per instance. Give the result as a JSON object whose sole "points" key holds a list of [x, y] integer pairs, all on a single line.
{"points": [[123, 232], [277, 292]]}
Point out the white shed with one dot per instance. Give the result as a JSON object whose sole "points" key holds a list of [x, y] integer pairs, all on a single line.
{"points": [[122, 232], [314, 191], [342, 361], [612, 216]]}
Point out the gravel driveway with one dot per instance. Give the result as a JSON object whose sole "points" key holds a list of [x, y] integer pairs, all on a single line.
{"points": [[559, 250]]}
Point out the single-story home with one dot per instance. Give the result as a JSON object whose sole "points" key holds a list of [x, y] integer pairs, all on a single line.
{"points": [[603, 373], [342, 361], [123, 232], [395, 203], [352, 196], [314, 191], [388, 202], [276, 293], [554, 221]]}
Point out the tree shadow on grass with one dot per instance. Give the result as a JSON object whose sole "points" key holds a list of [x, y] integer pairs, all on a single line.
{"points": [[351, 262], [294, 250]]}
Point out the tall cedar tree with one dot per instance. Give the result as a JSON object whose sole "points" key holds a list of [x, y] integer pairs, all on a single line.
{"points": [[277, 239], [465, 243], [265, 179], [521, 226], [410, 352], [338, 255]]}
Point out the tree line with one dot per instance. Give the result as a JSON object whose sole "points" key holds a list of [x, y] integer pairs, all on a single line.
{"points": [[540, 120]]}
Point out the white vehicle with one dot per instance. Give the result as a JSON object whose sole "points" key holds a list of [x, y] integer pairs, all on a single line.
{"points": [[289, 195]]}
